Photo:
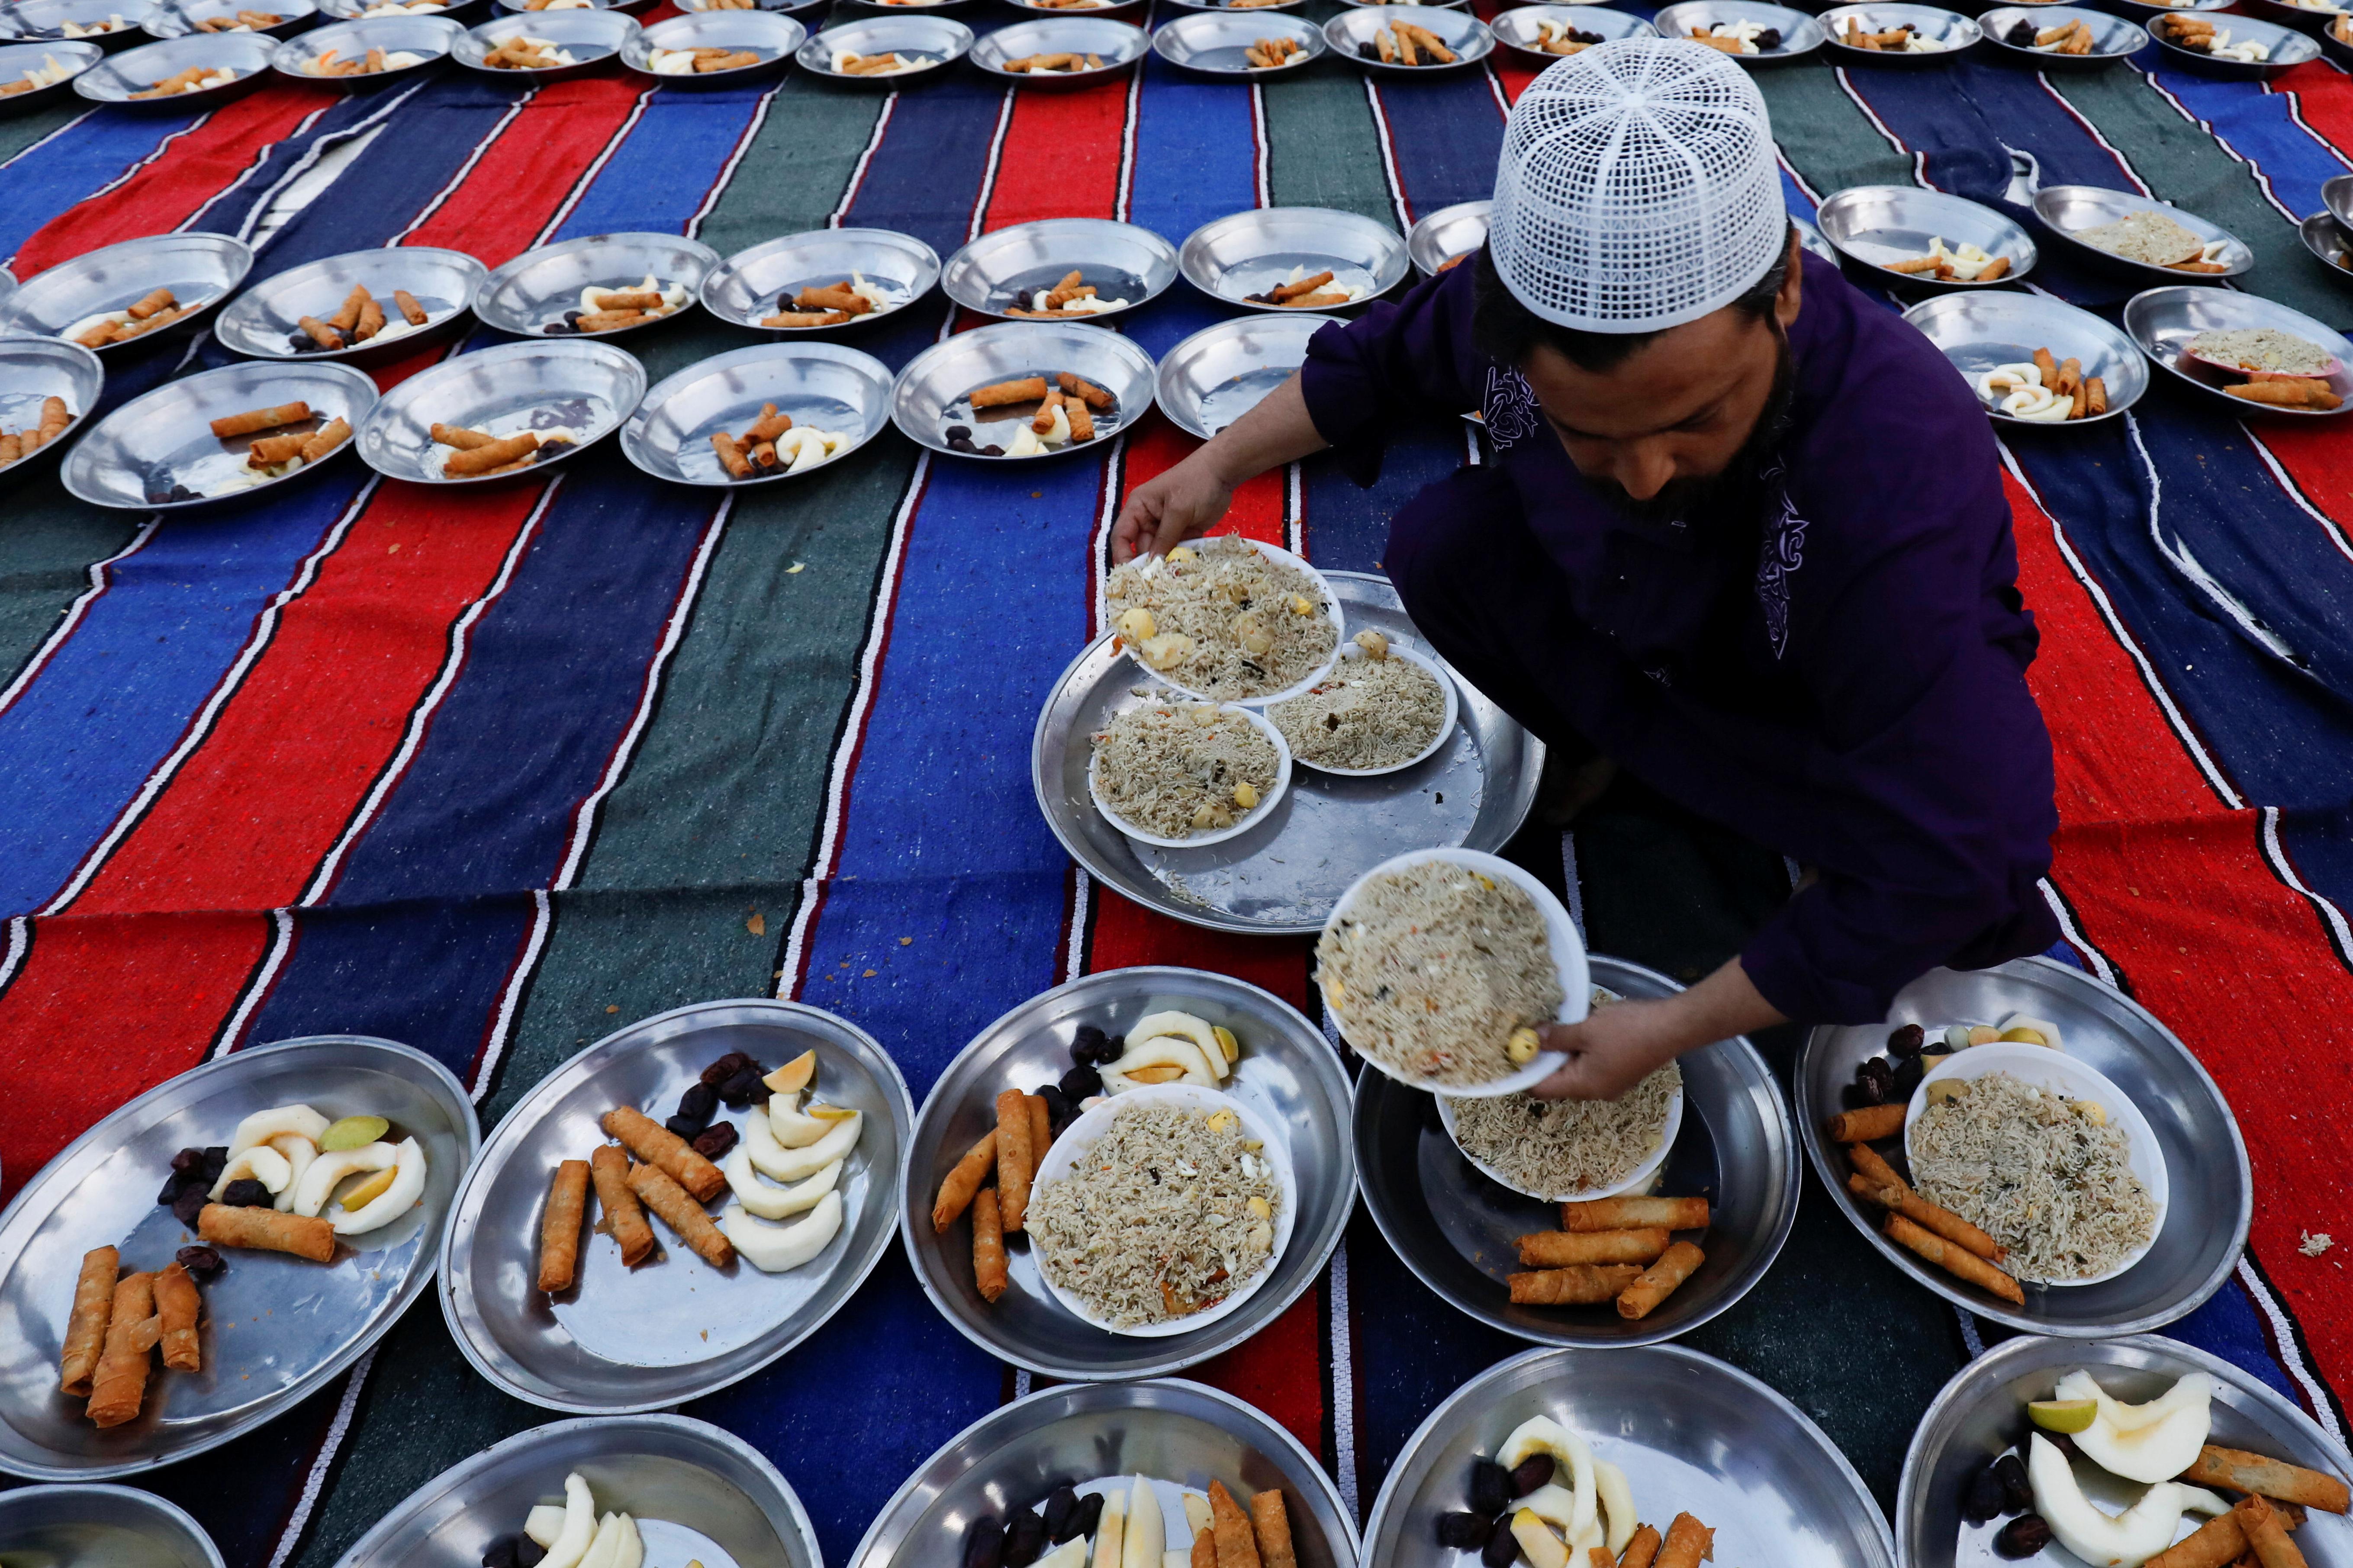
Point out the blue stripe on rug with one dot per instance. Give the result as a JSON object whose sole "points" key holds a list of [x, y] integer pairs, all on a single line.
{"points": [[666, 167], [74, 165]]}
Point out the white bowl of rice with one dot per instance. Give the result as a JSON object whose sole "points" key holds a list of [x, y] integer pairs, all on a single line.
{"points": [[1060, 1225], [1362, 709], [2071, 1082], [1181, 594], [1154, 743], [1483, 1000]]}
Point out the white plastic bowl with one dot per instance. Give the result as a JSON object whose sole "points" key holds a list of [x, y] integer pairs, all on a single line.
{"points": [[1636, 1180], [2049, 1069], [1351, 653], [1094, 1123], [1567, 957], [1247, 820], [1339, 639]]}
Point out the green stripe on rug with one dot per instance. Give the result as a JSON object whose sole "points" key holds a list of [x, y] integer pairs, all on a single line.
{"points": [[45, 557], [1824, 135], [1321, 147], [20, 133]]}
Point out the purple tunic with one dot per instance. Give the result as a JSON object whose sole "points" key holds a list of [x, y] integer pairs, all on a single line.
{"points": [[1840, 678]]}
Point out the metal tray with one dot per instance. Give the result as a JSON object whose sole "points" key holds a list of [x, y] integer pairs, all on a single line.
{"points": [[1461, 229], [1952, 29], [2326, 239], [162, 440], [2005, 326], [622, 1341], [540, 385], [755, 283], [1215, 43], [1466, 36], [277, 1328], [262, 322], [1983, 1410], [834, 388], [429, 37], [1869, 221], [178, 19], [1692, 1434], [2113, 39], [1287, 1073], [2207, 1223], [1124, 260], [116, 80], [32, 371], [1219, 373], [1800, 34], [2162, 321], [119, 1527], [1454, 1227], [1119, 44], [1282, 879], [663, 1470], [771, 35], [205, 268], [2289, 47], [1169, 1429], [2064, 210], [1245, 253], [931, 391]]}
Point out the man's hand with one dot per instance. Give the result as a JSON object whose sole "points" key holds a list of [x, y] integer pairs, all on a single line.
{"points": [[1621, 1044], [1162, 513]]}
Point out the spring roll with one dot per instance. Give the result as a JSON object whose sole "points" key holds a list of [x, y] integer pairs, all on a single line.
{"points": [[1903, 1200], [325, 336], [833, 297], [267, 1230], [55, 417], [269, 450], [155, 303], [370, 323], [2243, 1472], [770, 426], [559, 1227], [1635, 1214], [86, 1328], [1867, 1162], [730, 455], [1282, 292], [609, 321], [1017, 1162], [1998, 268], [1688, 1540], [1582, 1285], [1042, 1129], [1954, 1258], [12, 447], [1660, 1281], [988, 1267], [325, 439], [2095, 397], [254, 419], [1083, 423], [677, 1209], [119, 1386], [657, 1145], [1030, 389], [1237, 1543], [962, 1183], [1560, 1248], [458, 435], [1640, 1550], [410, 311], [1044, 420], [1271, 1522], [1871, 1123], [624, 1217], [2217, 1543], [1205, 1550], [1086, 392], [347, 314], [806, 319], [2266, 1534], [177, 1307], [2043, 359]]}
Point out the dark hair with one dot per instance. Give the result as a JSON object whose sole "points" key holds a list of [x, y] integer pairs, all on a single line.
{"points": [[1507, 332]]}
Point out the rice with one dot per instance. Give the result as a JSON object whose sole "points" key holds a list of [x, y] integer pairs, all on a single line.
{"points": [[1369, 713], [1220, 619], [2035, 1172], [1432, 968], [1170, 1212], [1172, 770], [2146, 235], [2263, 348], [1559, 1147]]}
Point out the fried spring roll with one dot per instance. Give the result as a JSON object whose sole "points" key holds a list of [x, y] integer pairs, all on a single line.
{"points": [[12, 447], [498, 454], [119, 1386], [1660, 1281], [347, 314], [833, 297], [1640, 1550], [676, 1209], [267, 1230], [1903, 1200], [325, 439], [1405, 53], [2266, 1534], [1560, 1248], [1017, 1161], [55, 417], [1580, 1285], [1044, 420], [1998, 268], [2095, 397], [1086, 392], [2217, 1543], [1237, 1543], [269, 450], [763, 456], [609, 320], [1042, 1129], [403, 300], [1282, 292], [628, 299], [559, 1227], [657, 1145], [458, 435], [2048, 366], [2244, 1472], [325, 336], [1271, 1522], [963, 1183], [806, 319], [1205, 1550], [770, 425], [1912, 264], [730, 455], [177, 1307], [2294, 393], [1072, 286], [253, 420], [85, 1328], [624, 1217], [1867, 1162], [988, 1267], [1083, 424], [1634, 1213], [370, 322], [1429, 42], [1029, 389], [1873, 1122], [728, 62], [1688, 1540], [1953, 1259], [155, 303]]}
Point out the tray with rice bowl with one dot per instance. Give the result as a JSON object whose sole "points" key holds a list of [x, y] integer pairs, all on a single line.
{"points": [[2167, 322], [1150, 722], [1168, 638], [1360, 667], [2152, 249]]}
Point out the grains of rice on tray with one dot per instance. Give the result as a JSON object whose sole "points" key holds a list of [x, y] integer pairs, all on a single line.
{"points": [[2146, 235], [1367, 713], [1220, 618], [2035, 1172], [1557, 1147], [1170, 1212], [2264, 348], [1163, 770], [1433, 966]]}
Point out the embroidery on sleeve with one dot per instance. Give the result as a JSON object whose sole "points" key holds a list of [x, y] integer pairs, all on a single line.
{"points": [[1779, 554], [1509, 408]]}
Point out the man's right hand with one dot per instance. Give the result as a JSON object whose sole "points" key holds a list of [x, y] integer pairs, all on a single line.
{"points": [[1162, 513]]}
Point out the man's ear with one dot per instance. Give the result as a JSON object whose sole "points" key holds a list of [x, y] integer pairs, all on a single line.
{"points": [[1785, 304]]}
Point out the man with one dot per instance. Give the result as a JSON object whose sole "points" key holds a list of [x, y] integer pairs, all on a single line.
{"points": [[1744, 534]]}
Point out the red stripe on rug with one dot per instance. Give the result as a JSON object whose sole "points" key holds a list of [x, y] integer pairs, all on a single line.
{"points": [[1511, 68], [1062, 154], [192, 171], [2324, 96], [1280, 1370], [2173, 888], [533, 168], [2315, 458]]}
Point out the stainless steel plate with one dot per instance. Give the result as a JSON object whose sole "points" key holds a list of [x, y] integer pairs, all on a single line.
{"points": [[1250, 252], [2163, 321], [1979, 331], [2146, 11], [142, 455], [530, 294], [1464, 35], [585, 386], [1983, 1411], [277, 1328], [1462, 228], [202, 269], [2302, 19], [115, 81], [932, 391], [937, 41], [822, 384], [1455, 1228], [2326, 239], [1118, 45], [770, 35], [1219, 6], [33, 370], [431, 37], [780, 7], [377, 10], [119, 1527], [1219, 373], [2289, 49], [592, 39], [2206, 1223], [1692, 1434], [696, 1493], [1287, 1073], [622, 1341], [520, 7], [1284, 877], [178, 19], [1214, 42], [2066, 209], [17, 60], [261, 320], [2112, 38], [1123, 260], [46, 19], [2337, 194], [1810, 238], [1515, 29], [758, 282], [1875, 225], [1950, 28], [1800, 34], [1169, 1429]]}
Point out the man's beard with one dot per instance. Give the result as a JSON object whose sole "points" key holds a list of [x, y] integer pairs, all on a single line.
{"points": [[1734, 489]]}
